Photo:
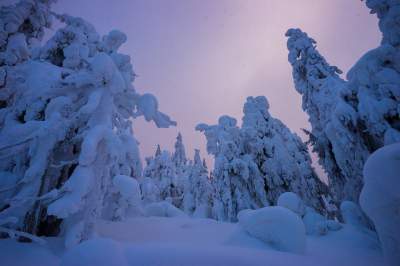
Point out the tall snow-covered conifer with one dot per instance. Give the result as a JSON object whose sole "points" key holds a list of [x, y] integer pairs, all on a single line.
{"points": [[334, 134], [350, 120], [66, 132]]}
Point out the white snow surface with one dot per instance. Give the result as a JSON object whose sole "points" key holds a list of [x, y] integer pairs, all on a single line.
{"points": [[185, 241]]}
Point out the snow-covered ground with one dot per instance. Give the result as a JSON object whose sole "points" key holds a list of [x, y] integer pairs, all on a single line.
{"points": [[185, 241]]}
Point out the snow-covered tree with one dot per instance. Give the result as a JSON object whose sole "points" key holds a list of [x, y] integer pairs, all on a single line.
{"points": [[374, 81], [160, 181], [179, 156], [237, 181], [334, 134], [350, 120], [254, 164], [197, 198], [281, 156], [180, 162], [66, 132]]}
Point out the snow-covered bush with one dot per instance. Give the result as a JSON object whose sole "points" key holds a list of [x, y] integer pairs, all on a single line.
{"points": [[98, 251], [292, 202], [380, 198], [316, 224], [66, 126], [163, 209], [352, 214], [277, 226], [256, 163]]}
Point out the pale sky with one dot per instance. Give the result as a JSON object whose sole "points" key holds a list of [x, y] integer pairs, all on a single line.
{"points": [[203, 58]]}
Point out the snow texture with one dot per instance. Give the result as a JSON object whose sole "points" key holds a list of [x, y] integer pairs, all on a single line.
{"points": [[163, 209], [98, 251]]}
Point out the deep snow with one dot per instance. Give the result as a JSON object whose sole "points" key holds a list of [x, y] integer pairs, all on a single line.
{"points": [[184, 241]]}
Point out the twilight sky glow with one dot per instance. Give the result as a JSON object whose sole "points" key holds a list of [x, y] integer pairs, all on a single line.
{"points": [[202, 58]]}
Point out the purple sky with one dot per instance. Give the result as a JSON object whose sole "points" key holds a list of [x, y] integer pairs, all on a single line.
{"points": [[203, 58]]}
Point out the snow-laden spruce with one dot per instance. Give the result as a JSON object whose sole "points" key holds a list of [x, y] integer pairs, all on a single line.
{"points": [[165, 175], [160, 180], [66, 130], [334, 134], [350, 120], [197, 199], [256, 163], [237, 181], [374, 81]]}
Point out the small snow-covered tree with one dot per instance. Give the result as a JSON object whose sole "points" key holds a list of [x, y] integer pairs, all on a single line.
{"points": [[334, 134], [281, 156], [180, 162], [179, 156], [160, 181], [67, 131], [197, 197]]}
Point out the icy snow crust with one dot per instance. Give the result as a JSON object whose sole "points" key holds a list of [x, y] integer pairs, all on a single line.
{"points": [[184, 241]]}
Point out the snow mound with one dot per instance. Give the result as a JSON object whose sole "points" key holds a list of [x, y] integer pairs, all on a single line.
{"points": [[276, 226], [163, 209], [96, 252], [292, 202], [380, 198]]}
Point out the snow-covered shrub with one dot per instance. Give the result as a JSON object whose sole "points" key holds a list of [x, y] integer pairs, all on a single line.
{"points": [[352, 214], [292, 202], [380, 198], [98, 251], [316, 224], [66, 126], [277, 226], [163, 209], [256, 163]]}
